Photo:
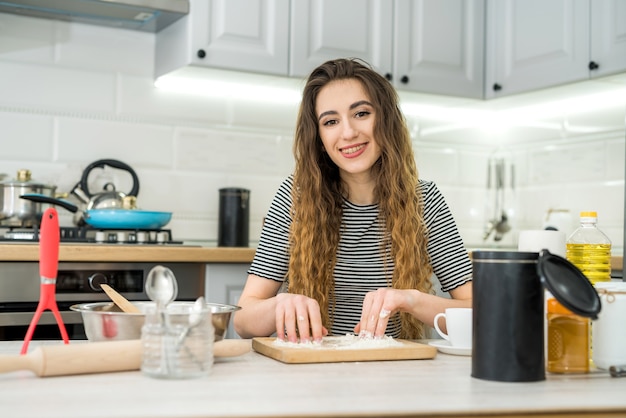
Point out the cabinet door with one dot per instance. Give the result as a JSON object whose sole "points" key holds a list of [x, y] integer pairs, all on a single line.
{"points": [[439, 46], [327, 29], [535, 43], [247, 35], [608, 37]]}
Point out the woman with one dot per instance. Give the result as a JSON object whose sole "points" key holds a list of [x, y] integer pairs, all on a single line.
{"points": [[353, 236]]}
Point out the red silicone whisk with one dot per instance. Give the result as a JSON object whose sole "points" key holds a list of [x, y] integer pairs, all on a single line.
{"points": [[49, 237]]}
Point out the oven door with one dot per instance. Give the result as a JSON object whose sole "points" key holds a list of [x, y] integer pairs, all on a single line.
{"points": [[79, 283]]}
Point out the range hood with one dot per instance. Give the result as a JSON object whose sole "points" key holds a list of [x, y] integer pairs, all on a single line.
{"points": [[142, 15]]}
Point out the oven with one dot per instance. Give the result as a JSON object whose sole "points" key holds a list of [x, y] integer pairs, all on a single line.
{"points": [[79, 282]]}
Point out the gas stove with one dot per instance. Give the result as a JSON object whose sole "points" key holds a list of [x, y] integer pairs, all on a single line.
{"points": [[86, 234]]}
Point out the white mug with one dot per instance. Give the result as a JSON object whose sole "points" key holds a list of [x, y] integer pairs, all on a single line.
{"points": [[608, 338], [459, 326], [536, 240]]}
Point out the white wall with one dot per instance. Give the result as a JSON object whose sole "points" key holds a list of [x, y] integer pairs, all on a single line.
{"points": [[71, 94]]}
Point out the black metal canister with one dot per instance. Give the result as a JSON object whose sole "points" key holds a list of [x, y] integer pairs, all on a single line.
{"points": [[234, 217], [508, 297]]}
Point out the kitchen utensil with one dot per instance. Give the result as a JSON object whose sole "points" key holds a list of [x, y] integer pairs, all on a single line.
{"points": [[48, 267], [508, 310], [167, 356], [119, 300], [109, 197], [194, 319], [162, 288], [128, 325], [110, 218], [97, 357], [407, 351], [20, 213], [618, 371]]}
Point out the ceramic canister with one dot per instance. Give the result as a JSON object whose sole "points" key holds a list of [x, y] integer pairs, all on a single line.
{"points": [[607, 332]]}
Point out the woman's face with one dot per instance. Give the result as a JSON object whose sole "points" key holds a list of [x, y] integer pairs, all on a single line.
{"points": [[345, 119]]}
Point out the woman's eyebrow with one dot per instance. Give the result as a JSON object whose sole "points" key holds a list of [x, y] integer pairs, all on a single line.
{"points": [[352, 106]]}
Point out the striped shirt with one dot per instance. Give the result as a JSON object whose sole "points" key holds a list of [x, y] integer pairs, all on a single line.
{"points": [[360, 267]]}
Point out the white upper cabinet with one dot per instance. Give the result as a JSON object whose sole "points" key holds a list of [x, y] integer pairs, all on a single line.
{"points": [[532, 44], [535, 43], [245, 35], [438, 46], [322, 30], [467, 48], [608, 37]]}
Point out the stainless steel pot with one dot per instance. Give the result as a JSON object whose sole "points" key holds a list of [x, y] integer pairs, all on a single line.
{"points": [[18, 212]]}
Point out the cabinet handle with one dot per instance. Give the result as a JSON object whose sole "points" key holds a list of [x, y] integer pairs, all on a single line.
{"points": [[404, 79], [201, 53], [497, 87], [388, 76], [593, 65]]}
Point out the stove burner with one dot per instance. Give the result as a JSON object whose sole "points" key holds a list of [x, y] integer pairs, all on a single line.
{"points": [[84, 234]]}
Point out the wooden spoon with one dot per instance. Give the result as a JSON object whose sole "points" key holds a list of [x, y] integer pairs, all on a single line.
{"points": [[120, 300]]}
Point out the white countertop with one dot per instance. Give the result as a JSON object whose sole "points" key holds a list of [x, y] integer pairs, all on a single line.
{"points": [[253, 386]]}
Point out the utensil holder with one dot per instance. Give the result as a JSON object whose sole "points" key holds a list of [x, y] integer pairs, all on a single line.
{"points": [[234, 218]]}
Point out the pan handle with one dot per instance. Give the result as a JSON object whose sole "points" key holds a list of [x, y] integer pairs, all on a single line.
{"points": [[111, 163], [34, 197]]}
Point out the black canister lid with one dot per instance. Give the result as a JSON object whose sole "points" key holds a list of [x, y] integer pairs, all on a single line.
{"points": [[511, 256], [568, 285]]}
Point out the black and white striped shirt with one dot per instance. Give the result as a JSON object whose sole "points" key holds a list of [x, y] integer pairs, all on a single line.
{"points": [[359, 267]]}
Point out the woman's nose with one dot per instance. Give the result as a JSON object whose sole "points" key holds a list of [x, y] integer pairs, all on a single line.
{"points": [[349, 131]]}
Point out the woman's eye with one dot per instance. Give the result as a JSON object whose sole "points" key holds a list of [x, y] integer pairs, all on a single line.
{"points": [[362, 113], [329, 122]]}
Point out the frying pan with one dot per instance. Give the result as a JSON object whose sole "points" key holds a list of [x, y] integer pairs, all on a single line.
{"points": [[110, 218]]}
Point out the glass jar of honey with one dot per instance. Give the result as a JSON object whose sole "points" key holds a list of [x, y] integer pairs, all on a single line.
{"points": [[568, 340]]}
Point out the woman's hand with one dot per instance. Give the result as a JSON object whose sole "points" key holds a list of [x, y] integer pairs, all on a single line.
{"points": [[378, 307], [298, 316]]}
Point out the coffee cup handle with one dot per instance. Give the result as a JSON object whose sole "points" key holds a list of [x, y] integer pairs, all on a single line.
{"points": [[439, 331]]}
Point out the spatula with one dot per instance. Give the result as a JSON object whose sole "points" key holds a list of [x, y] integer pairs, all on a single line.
{"points": [[124, 304]]}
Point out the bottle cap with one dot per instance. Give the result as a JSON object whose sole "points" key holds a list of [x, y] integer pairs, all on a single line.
{"points": [[591, 214]]}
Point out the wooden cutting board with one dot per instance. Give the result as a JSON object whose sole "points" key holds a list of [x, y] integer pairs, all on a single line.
{"points": [[407, 351]]}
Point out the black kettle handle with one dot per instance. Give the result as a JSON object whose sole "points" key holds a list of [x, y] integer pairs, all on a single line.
{"points": [[111, 163]]}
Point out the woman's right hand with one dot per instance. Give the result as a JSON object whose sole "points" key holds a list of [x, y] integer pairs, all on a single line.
{"points": [[299, 317]]}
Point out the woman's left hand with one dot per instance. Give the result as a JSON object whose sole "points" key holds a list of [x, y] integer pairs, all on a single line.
{"points": [[378, 307]]}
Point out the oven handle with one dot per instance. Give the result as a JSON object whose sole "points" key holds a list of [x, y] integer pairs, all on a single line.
{"points": [[24, 318]]}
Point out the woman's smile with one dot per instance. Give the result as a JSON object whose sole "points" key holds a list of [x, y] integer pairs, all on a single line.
{"points": [[353, 151]]}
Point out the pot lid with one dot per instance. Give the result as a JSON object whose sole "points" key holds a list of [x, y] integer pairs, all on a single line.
{"points": [[24, 179], [568, 285]]}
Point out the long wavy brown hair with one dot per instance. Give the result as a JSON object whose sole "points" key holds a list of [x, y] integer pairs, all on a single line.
{"points": [[318, 195]]}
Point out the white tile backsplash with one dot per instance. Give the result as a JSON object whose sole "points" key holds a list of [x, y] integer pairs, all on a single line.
{"points": [[73, 94]]}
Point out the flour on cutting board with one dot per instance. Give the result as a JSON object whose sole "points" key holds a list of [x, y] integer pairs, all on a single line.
{"points": [[345, 342]]}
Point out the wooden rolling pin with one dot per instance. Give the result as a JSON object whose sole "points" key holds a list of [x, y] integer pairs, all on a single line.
{"points": [[97, 357]]}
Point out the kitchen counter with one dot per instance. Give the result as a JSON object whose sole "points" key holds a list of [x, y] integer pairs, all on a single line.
{"points": [[133, 253], [256, 386]]}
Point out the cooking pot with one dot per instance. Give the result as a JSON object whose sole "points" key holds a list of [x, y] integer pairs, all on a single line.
{"points": [[110, 218], [109, 197], [17, 212]]}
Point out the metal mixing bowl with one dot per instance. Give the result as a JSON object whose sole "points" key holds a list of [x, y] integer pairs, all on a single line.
{"points": [[104, 321]]}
